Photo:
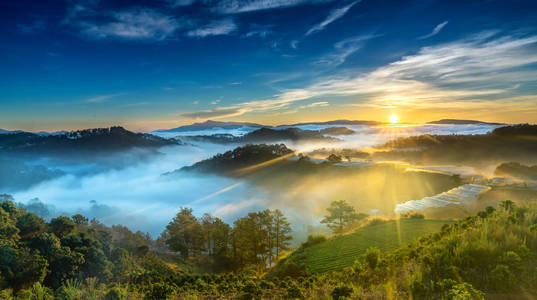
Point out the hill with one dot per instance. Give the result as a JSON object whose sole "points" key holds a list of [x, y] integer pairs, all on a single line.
{"points": [[238, 158], [462, 122], [270, 135], [209, 124], [81, 142], [341, 251], [516, 143]]}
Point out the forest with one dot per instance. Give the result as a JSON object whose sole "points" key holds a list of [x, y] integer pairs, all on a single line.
{"points": [[491, 254]]}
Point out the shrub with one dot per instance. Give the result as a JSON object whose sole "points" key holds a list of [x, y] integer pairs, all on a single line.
{"points": [[69, 291], [314, 239], [115, 293], [294, 292], [372, 256], [464, 291], [341, 292], [502, 277]]}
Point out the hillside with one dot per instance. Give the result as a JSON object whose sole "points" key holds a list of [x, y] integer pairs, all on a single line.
{"points": [[82, 141], [516, 143], [341, 251]]}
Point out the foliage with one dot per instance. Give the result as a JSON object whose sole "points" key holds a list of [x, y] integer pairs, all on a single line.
{"points": [[340, 215]]}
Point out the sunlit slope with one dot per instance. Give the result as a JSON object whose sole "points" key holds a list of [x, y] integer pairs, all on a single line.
{"points": [[340, 252]]}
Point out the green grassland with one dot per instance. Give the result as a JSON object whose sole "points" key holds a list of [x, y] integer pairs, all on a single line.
{"points": [[341, 251]]}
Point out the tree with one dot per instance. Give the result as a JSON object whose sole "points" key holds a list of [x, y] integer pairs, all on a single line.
{"points": [[80, 219], [61, 226], [29, 225], [340, 214], [282, 233], [184, 233]]}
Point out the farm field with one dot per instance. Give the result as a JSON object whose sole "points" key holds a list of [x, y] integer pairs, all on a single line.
{"points": [[341, 251]]}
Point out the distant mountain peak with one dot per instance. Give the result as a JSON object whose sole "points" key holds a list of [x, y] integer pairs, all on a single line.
{"points": [[462, 122], [210, 124]]}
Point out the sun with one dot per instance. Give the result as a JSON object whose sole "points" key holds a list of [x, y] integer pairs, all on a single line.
{"points": [[394, 119]]}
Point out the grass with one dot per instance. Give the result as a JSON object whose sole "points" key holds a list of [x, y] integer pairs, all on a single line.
{"points": [[341, 251]]}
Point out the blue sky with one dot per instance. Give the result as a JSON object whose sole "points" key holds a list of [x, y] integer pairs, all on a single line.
{"points": [[158, 64]]}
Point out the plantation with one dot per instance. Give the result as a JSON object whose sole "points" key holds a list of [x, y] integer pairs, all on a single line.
{"points": [[341, 251]]}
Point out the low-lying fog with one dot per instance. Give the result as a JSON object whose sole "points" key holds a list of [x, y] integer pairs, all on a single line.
{"points": [[125, 189]]}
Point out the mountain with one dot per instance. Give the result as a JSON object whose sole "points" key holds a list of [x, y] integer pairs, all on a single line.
{"points": [[81, 141], [462, 122], [265, 134], [3, 131], [238, 158], [338, 122], [209, 124]]}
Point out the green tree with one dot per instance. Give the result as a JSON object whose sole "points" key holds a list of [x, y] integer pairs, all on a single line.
{"points": [[340, 214], [281, 233], [61, 226], [184, 233]]}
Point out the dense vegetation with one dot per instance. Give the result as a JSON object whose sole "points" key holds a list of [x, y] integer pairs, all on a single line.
{"points": [[509, 143], [83, 141], [240, 157], [267, 135], [321, 255], [492, 253]]}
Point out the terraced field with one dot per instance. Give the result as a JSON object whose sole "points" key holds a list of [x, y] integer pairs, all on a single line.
{"points": [[340, 252]]}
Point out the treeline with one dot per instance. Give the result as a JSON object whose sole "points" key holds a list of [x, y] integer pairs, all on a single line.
{"points": [[254, 241], [509, 143]]}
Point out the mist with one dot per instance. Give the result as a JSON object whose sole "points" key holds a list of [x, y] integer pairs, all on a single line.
{"points": [[129, 188]]}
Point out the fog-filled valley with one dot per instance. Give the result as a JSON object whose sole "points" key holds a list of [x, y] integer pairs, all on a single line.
{"points": [[129, 185]]}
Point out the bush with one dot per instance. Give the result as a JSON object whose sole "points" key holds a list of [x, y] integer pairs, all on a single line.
{"points": [[314, 239], [502, 277], [464, 291], [294, 292], [341, 292], [372, 256], [115, 293], [69, 291]]}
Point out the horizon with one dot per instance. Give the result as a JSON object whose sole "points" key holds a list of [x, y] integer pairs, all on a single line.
{"points": [[381, 123], [149, 66]]}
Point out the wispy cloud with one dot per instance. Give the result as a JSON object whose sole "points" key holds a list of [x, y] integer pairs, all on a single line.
{"points": [[455, 74], [221, 27], [259, 30], [179, 3], [242, 6], [332, 16], [345, 48], [315, 104], [38, 24], [101, 98], [217, 113], [134, 24], [435, 31]]}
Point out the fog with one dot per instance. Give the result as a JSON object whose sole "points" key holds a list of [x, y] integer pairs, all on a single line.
{"points": [[129, 188]]}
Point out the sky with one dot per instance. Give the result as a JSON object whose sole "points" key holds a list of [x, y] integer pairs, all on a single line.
{"points": [[149, 65]]}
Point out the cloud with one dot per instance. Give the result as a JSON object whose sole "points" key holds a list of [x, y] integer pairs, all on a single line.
{"points": [[332, 16], [455, 71], [101, 98], [455, 74], [315, 104], [37, 25], [435, 31], [242, 6], [344, 49], [259, 30], [221, 27], [134, 24], [217, 113], [179, 3]]}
